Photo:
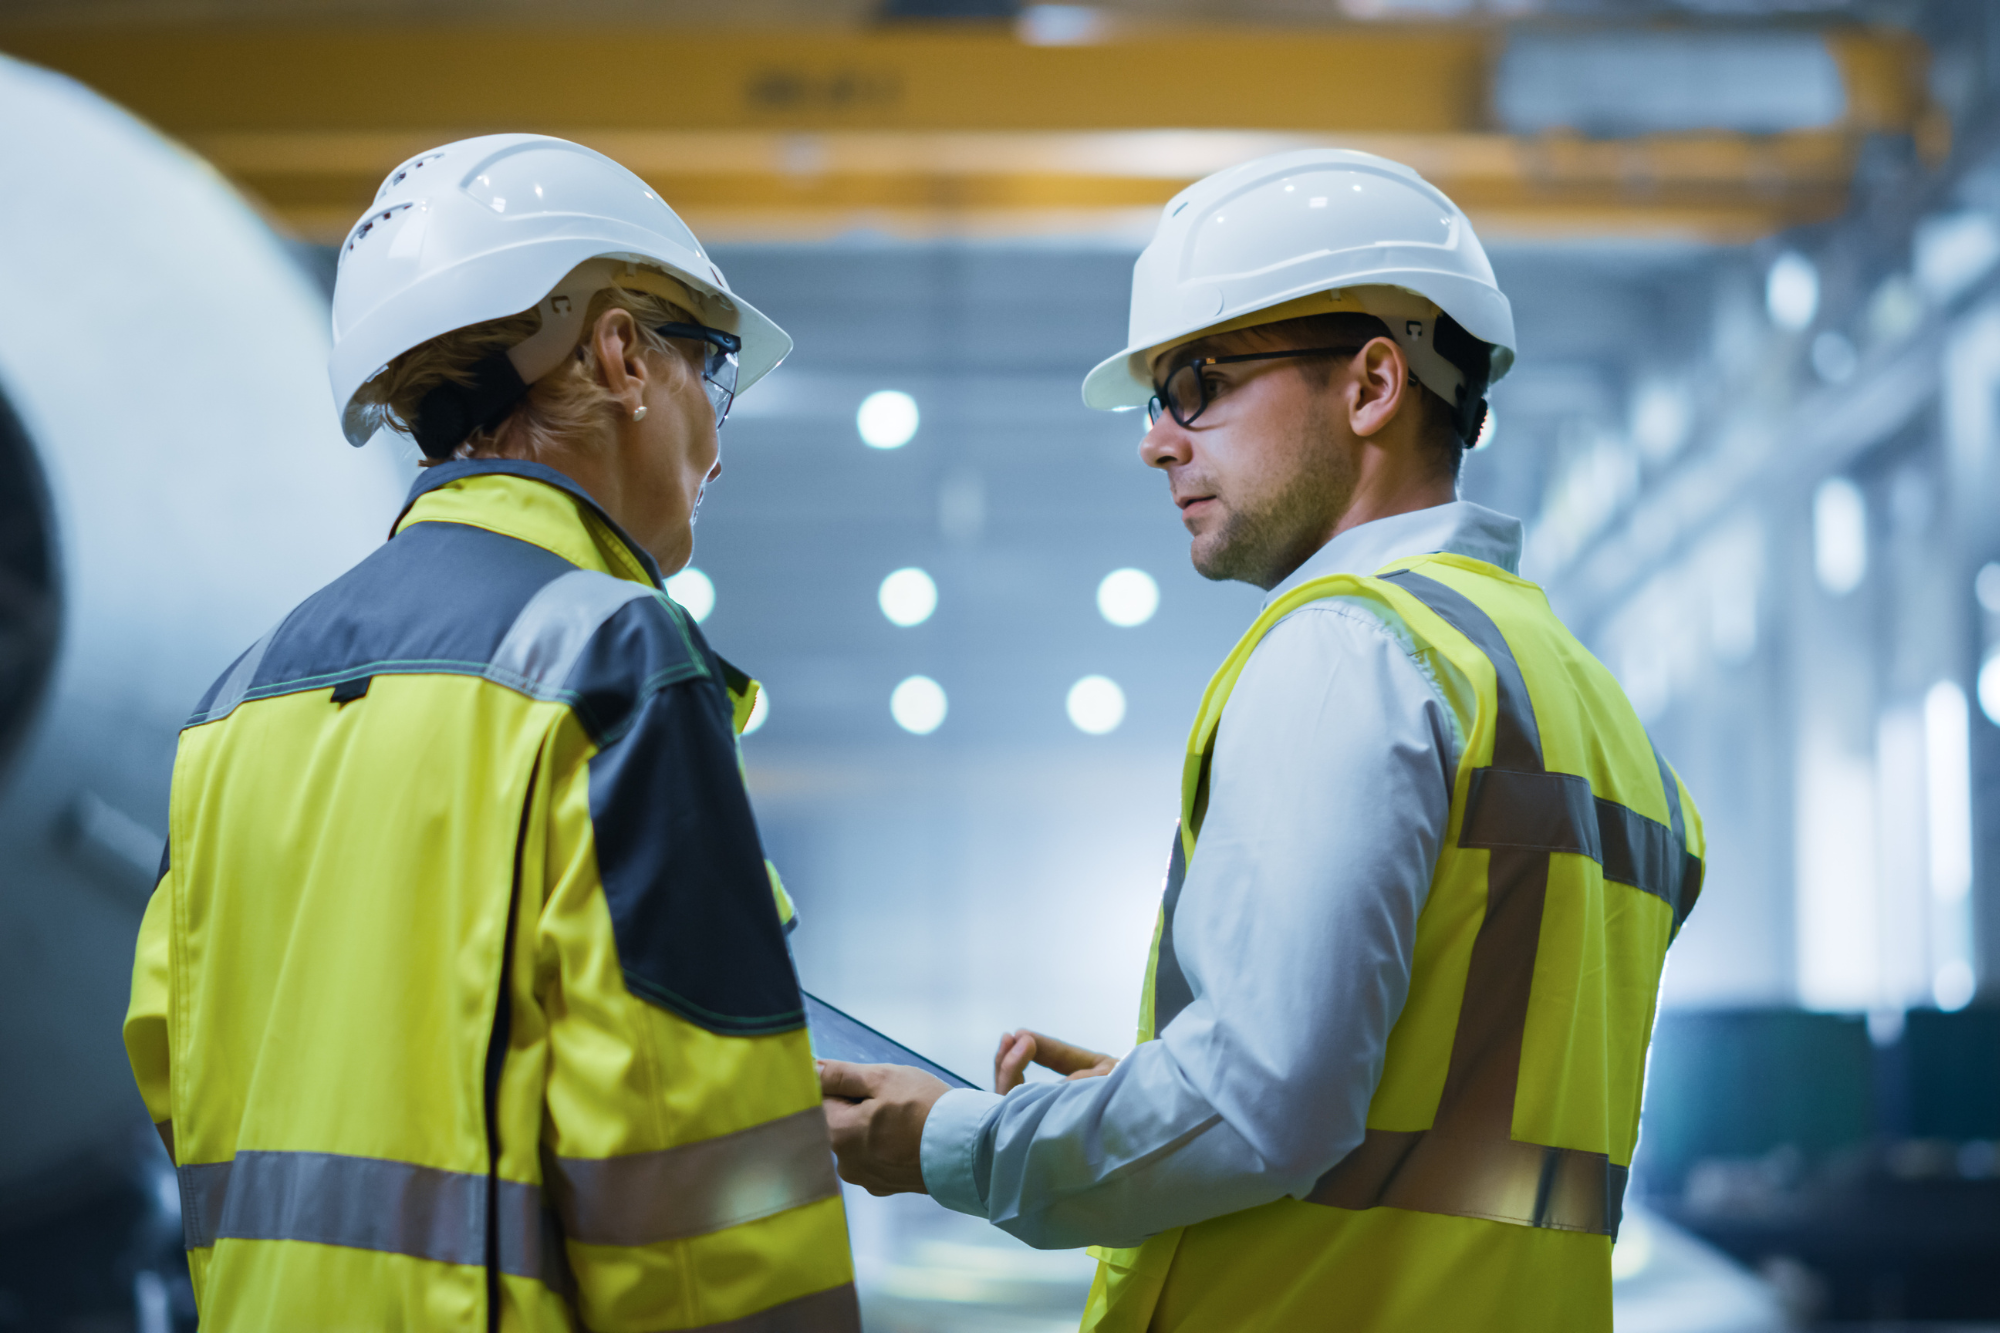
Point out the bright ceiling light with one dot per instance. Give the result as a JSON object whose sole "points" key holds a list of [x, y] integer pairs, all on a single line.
{"points": [[692, 589], [887, 419], [1096, 705], [1989, 689], [1953, 987], [918, 705], [1128, 597], [758, 711], [1791, 291], [1840, 535], [908, 597], [1986, 586]]}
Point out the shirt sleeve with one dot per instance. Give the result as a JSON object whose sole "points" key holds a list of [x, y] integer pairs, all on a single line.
{"points": [[1330, 791]]}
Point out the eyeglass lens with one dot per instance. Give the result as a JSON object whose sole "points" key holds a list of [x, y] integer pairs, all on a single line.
{"points": [[718, 380], [1184, 396]]}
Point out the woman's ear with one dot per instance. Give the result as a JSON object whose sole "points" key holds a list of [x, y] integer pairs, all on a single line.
{"points": [[1378, 384], [621, 356]]}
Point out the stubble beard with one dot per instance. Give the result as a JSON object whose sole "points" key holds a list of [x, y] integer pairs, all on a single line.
{"points": [[1263, 541]]}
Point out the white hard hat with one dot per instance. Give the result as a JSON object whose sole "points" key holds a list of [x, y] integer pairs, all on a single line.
{"points": [[485, 228], [1317, 230]]}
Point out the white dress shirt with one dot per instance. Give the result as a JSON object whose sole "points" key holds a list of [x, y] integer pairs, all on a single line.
{"points": [[1329, 795]]}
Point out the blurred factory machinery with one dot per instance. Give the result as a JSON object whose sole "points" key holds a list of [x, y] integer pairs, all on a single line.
{"points": [[1754, 253]]}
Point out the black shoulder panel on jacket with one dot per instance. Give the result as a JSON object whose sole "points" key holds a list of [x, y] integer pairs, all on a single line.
{"points": [[683, 870], [439, 598], [642, 647]]}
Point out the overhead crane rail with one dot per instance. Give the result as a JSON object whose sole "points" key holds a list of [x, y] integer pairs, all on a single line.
{"points": [[961, 129]]}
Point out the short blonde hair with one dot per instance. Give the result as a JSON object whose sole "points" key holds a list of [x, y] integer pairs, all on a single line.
{"points": [[563, 407]]}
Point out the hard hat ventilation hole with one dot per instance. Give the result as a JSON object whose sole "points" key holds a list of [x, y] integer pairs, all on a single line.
{"points": [[404, 172], [369, 224]]}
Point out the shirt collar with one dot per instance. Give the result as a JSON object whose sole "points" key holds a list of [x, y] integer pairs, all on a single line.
{"points": [[443, 474], [1457, 528]]}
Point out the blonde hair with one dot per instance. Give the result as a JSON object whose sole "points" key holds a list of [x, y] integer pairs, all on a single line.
{"points": [[560, 409]]}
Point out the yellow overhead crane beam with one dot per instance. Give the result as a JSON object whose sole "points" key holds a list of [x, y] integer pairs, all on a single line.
{"points": [[950, 129]]}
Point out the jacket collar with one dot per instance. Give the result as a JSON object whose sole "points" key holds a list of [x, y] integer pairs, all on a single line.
{"points": [[443, 474], [1457, 528]]}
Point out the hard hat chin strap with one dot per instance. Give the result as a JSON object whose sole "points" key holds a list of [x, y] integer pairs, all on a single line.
{"points": [[1474, 360], [1451, 363], [451, 412]]}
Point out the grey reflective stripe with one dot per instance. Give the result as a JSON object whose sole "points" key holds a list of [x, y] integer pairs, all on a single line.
{"points": [[1171, 991], [531, 1239], [1525, 1184], [237, 683], [1687, 885], [834, 1310], [1468, 1163], [552, 630], [697, 1188], [1556, 812], [1477, 1101], [367, 1203], [203, 1188], [1672, 787], [1520, 805], [1641, 852], [1517, 740], [1548, 812]]}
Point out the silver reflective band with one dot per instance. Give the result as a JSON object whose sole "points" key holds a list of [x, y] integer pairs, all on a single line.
{"points": [[1516, 803], [368, 1203], [834, 1310], [1525, 1184], [1556, 812], [644, 1198], [552, 630]]}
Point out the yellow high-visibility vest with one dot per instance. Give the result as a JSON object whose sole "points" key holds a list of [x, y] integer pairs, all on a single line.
{"points": [[464, 1000], [1487, 1191]]}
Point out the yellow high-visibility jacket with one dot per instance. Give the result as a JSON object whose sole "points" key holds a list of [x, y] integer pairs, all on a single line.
{"points": [[1487, 1191], [464, 1001]]}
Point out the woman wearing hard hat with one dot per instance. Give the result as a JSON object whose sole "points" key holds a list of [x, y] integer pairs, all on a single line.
{"points": [[464, 1000], [1394, 1028]]}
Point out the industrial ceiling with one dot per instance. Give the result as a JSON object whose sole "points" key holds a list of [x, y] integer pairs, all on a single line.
{"points": [[783, 121]]}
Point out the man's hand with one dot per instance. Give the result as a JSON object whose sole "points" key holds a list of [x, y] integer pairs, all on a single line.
{"points": [[876, 1114], [1018, 1049]]}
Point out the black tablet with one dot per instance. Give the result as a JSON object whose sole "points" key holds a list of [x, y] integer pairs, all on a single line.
{"points": [[839, 1036]]}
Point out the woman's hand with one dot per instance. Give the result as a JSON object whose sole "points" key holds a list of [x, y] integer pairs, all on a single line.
{"points": [[1019, 1049]]}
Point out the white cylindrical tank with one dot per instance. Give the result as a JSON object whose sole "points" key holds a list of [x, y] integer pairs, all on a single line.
{"points": [[172, 481]]}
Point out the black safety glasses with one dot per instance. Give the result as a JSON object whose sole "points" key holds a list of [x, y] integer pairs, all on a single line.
{"points": [[1185, 394], [718, 369]]}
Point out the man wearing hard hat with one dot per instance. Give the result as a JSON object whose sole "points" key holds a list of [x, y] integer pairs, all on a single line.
{"points": [[463, 1001], [1394, 1025]]}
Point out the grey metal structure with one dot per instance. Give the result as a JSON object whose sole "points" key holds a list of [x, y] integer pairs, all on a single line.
{"points": [[170, 483]]}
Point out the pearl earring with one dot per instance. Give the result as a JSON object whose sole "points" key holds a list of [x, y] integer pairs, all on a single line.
{"points": [[639, 412]]}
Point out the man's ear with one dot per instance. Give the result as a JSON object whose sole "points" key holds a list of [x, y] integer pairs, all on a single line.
{"points": [[1378, 386]]}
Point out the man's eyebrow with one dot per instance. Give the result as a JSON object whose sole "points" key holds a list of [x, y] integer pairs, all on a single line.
{"points": [[1187, 352]]}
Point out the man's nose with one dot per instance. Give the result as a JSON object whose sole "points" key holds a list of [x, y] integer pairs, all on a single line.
{"points": [[1166, 444]]}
